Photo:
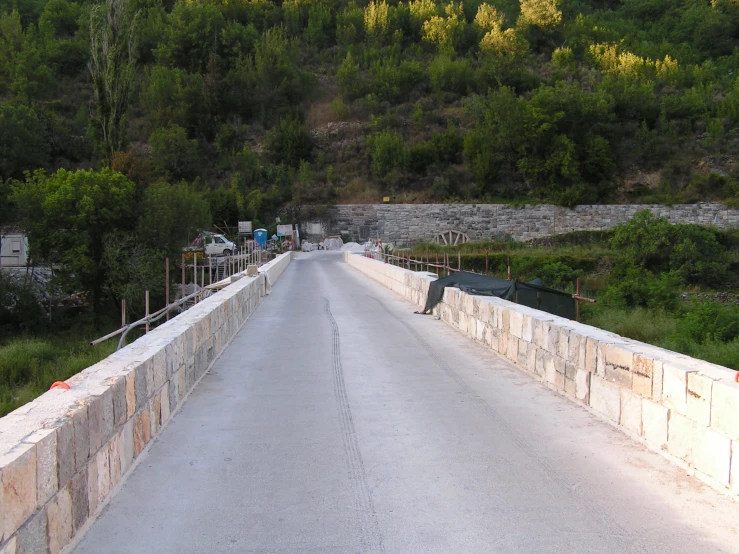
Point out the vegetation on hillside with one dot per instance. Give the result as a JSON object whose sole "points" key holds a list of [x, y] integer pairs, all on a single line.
{"points": [[267, 106]]}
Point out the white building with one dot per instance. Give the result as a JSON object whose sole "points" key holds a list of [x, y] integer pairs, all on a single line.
{"points": [[13, 249]]}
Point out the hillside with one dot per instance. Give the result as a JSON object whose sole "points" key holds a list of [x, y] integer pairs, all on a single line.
{"points": [[265, 105]]}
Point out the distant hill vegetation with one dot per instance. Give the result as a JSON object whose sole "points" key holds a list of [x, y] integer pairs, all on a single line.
{"points": [[267, 106]]}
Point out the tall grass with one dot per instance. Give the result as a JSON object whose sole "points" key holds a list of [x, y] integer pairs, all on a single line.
{"points": [[29, 366]]}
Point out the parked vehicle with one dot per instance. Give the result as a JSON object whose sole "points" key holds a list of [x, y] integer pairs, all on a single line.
{"points": [[211, 244]]}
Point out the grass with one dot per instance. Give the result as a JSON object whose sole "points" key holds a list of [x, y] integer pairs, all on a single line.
{"points": [[28, 366]]}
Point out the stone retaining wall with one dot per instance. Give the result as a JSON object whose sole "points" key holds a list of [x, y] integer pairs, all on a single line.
{"points": [[681, 406], [63, 454], [401, 223]]}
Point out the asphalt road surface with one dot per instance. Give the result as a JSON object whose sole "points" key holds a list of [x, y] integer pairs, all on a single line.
{"points": [[338, 421]]}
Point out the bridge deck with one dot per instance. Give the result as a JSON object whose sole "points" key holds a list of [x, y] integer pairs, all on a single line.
{"points": [[339, 421]]}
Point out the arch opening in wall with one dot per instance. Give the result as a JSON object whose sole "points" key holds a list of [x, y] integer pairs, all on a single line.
{"points": [[451, 238]]}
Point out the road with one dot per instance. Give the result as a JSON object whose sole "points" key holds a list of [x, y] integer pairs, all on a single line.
{"points": [[338, 421]]}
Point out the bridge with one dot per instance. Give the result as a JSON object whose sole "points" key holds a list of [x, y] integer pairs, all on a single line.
{"points": [[309, 409]]}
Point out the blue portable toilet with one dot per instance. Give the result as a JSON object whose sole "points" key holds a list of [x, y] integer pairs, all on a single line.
{"points": [[260, 237]]}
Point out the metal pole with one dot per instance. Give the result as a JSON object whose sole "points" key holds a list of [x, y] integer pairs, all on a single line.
{"points": [[123, 312], [210, 270], [577, 301], [202, 281], [437, 264], [195, 274], [166, 282], [183, 276], [147, 310]]}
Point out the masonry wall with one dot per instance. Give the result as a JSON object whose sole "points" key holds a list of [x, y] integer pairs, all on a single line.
{"points": [[679, 406], [400, 223], [62, 455]]}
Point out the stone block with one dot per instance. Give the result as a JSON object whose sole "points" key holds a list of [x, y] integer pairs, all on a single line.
{"points": [[102, 487], [130, 394], [81, 436], [512, 349], [164, 402], [712, 455], [631, 411], [155, 414], [605, 398], [570, 370], [582, 386], [142, 396], [59, 514], [527, 328], [552, 342], [657, 380], [65, 451], [118, 394], [550, 371], [47, 468], [725, 408], [573, 348], [698, 398], [18, 481], [114, 458], [127, 447], [538, 333], [80, 499], [95, 417], [516, 324], [675, 388], [32, 537], [654, 423], [142, 431], [681, 437], [531, 357], [570, 387], [541, 355], [563, 346], [523, 354], [591, 352], [642, 376]]}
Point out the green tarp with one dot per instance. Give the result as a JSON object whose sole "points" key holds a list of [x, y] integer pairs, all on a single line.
{"points": [[532, 294]]}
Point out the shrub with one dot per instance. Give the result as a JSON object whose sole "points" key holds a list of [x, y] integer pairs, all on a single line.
{"points": [[449, 75], [388, 152]]}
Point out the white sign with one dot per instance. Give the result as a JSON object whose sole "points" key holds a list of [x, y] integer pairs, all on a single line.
{"points": [[244, 227], [284, 230]]}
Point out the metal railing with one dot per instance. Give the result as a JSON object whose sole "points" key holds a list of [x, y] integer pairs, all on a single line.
{"points": [[231, 266]]}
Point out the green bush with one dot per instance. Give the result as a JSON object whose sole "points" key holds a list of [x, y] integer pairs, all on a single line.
{"points": [[449, 75], [388, 152], [289, 143]]}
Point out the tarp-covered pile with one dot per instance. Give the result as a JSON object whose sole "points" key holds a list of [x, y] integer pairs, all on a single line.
{"points": [[533, 294]]}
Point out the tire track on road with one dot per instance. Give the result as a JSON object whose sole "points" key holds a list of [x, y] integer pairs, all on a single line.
{"points": [[371, 538]]}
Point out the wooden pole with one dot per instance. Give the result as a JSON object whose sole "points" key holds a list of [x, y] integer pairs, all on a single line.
{"points": [[509, 268], [166, 282], [459, 261], [195, 274], [183, 276], [123, 312], [577, 300], [210, 270], [486, 262], [427, 260], [202, 281], [147, 310], [437, 264]]}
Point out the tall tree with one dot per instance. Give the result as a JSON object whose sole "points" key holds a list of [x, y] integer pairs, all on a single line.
{"points": [[112, 66]]}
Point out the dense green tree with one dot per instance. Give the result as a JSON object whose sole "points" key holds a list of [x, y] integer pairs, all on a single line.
{"points": [[174, 155], [288, 143], [67, 216], [388, 152], [112, 66], [190, 35], [23, 144]]}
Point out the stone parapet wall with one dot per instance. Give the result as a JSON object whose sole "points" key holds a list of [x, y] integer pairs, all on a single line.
{"points": [[62, 455], [401, 223], [677, 405]]}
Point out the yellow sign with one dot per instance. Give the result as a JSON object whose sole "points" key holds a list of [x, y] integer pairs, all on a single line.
{"points": [[386, 199]]}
